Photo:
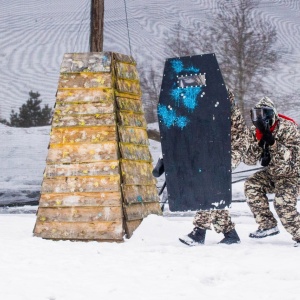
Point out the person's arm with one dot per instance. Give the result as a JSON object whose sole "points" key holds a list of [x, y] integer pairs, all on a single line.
{"points": [[244, 146], [285, 159]]}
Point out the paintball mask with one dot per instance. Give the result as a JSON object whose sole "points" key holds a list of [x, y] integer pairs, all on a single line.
{"points": [[265, 115]]}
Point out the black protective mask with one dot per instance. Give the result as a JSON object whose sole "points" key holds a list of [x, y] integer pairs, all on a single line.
{"points": [[263, 114]]}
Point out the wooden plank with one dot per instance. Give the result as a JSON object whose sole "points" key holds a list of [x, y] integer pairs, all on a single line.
{"points": [[84, 120], [65, 108], [132, 119], [124, 58], [80, 214], [137, 173], [85, 96], [128, 86], [86, 62], [86, 80], [126, 71], [141, 210], [82, 153], [83, 169], [128, 104], [80, 231], [83, 135], [131, 226], [139, 193], [135, 152], [81, 184], [134, 135], [80, 199]]}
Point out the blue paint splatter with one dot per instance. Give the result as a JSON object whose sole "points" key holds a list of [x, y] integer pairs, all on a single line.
{"points": [[177, 65], [188, 96], [192, 69], [139, 199], [176, 95], [182, 121], [190, 99], [169, 117]]}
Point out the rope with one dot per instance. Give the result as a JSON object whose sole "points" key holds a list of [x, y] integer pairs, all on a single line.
{"points": [[127, 27]]}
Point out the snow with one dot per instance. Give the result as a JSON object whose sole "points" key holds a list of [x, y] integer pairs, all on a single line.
{"points": [[153, 264]]}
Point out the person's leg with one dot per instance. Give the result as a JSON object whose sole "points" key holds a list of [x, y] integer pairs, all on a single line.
{"points": [[221, 221], [202, 222], [202, 219], [256, 188], [285, 203]]}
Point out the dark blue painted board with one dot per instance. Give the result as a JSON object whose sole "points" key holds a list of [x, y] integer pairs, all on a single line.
{"points": [[194, 121]]}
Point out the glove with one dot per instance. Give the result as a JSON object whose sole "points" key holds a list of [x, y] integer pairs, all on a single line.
{"points": [[268, 138], [264, 128], [159, 168]]}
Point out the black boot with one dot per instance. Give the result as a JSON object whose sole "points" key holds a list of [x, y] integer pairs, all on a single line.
{"points": [[196, 237], [231, 237]]}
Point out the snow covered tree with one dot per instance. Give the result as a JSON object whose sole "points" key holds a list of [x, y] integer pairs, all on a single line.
{"points": [[31, 114]]}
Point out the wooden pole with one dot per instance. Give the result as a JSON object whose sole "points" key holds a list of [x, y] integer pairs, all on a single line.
{"points": [[96, 34]]}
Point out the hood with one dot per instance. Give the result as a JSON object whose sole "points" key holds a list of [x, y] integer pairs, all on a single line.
{"points": [[266, 102]]}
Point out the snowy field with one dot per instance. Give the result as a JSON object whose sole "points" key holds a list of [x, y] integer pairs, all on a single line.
{"points": [[153, 264]]}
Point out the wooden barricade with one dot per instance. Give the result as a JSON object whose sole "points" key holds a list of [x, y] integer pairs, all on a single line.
{"points": [[98, 182]]}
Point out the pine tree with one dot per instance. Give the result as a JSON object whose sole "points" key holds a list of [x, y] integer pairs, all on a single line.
{"points": [[31, 114]]}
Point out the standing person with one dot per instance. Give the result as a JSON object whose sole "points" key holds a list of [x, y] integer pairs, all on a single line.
{"points": [[220, 218], [274, 140]]}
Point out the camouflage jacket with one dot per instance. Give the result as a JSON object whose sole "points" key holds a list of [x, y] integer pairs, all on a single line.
{"points": [[285, 153]]}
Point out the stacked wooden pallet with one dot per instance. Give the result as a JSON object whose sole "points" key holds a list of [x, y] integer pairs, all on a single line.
{"points": [[97, 183]]}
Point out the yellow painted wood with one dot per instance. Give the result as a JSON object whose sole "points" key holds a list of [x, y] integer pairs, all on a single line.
{"points": [[131, 226], [69, 135], [141, 210], [85, 95], [86, 62], [94, 199], [124, 58], [135, 152], [130, 169], [128, 86], [63, 153], [84, 120], [80, 214], [128, 104], [98, 179], [126, 71], [83, 169], [66, 109], [139, 193], [132, 119], [80, 230], [84, 80], [133, 135], [87, 184]]}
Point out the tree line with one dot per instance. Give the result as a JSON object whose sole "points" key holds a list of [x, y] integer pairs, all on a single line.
{"points": [[30, 114], [244, 44]]}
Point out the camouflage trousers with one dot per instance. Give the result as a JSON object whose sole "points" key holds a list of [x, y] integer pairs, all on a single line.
{"points": [[286, 191], [220, 218]]}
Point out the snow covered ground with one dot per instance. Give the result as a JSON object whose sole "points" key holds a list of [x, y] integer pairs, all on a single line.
{"points": [[153, 264]]}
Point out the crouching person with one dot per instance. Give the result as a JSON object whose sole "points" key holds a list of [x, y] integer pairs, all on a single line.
{"points": [[274, 140]]}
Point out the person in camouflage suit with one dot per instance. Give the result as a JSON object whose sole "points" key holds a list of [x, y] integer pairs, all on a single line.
{"points": [[219, 218], [274, 140]]}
